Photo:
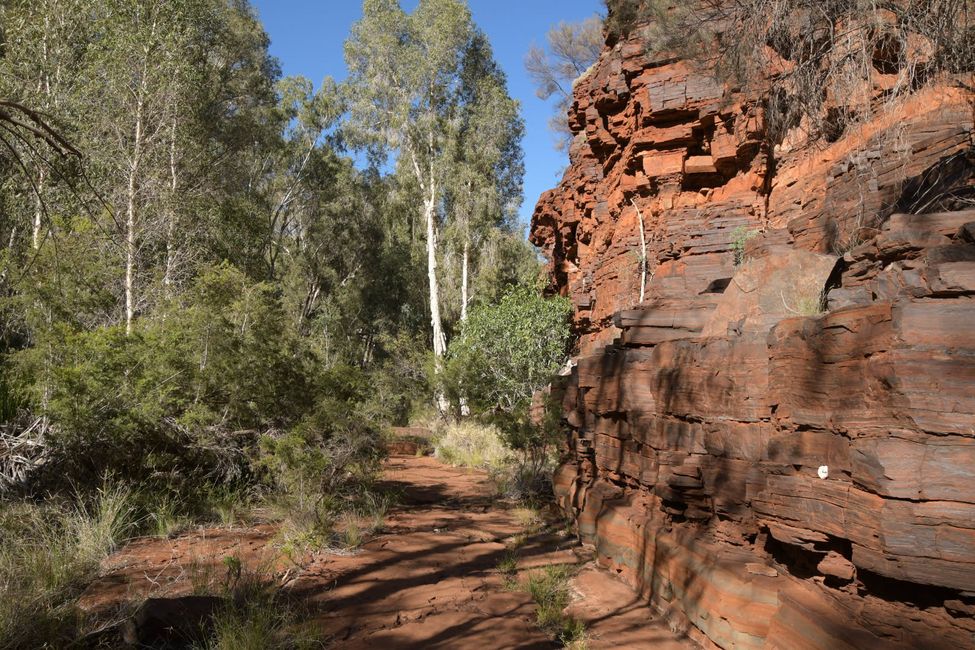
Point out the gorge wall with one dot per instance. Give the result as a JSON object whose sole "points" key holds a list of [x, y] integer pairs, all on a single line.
{"points": [[776, 448]]}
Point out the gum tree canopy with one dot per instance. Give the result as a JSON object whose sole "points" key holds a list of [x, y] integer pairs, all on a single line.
{"points": [[417, 84]]}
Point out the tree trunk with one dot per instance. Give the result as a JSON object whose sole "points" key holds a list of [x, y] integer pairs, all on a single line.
{"points": [[38, 210], [171, 225], [463, 282], [439, 340], [465, 259], [130, 213], [428, 184]]}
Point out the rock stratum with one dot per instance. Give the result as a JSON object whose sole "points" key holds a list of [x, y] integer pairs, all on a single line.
{"points": [[809, 310]]}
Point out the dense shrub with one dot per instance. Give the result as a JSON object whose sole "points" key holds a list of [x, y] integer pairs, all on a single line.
{"points": [[509, 350], [505, 354], [181, 403], [327, 463]]}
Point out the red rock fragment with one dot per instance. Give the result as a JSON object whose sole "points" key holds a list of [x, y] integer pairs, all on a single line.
{"points": [[837, 566]]}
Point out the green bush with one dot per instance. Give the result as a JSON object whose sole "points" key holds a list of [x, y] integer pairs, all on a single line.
{"points": [[256, 615], [739, 239], [327, 463], [509, 350], [335, 448], [181, 400], [505, 354], [400, 382], [203, 409]]}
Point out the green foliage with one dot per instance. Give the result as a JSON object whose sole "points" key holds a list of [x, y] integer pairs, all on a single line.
{"points": [[549, 588], [508, 568], [171, 398], [177, 405], [573, 48], [256, 615], [215, 304], [506, 260], [739, 238], [243, 252], [425, 87], [325, 466], [228, 504], [334, 448], [810, 306], [507, 351]]}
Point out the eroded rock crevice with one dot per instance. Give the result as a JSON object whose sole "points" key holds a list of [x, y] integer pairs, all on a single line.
{"points": [[808, 311]]}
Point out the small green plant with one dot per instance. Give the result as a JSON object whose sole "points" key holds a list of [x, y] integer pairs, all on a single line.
{"points": [[739, 238], [809, 306], [352, 535], [508, 564], [549, 588], [256, 616], [529, 519], [375, 507], [807, 302], [100, 525], [227, 504], [306, 527], [203, 576], [235, 569], [508, 568], [166, 518], [573, 635]]}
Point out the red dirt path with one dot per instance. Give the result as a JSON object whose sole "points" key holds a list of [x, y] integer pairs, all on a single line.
{"points": [[428, 580]]}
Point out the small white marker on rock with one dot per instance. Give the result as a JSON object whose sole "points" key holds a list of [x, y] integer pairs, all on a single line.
{"points": [[823, 471]]}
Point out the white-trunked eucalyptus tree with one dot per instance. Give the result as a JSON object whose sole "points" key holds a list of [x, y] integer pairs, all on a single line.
{"points": [[487, 167], [137, 83], [43, 55], [407, 96]]}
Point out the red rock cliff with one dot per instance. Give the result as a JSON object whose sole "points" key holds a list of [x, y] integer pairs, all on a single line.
{"points": [[778, 452]]}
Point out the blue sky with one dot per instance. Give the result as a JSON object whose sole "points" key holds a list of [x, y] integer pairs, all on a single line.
{"points": [[307, 37]]}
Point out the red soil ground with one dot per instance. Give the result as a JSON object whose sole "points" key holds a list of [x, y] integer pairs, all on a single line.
{"points": [[428, 580]]}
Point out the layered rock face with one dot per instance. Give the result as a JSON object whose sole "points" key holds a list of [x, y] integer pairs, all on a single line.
{"points": [[776, 447]]}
